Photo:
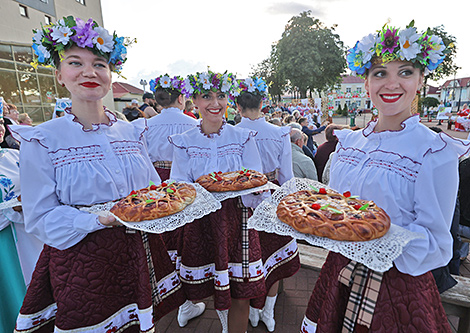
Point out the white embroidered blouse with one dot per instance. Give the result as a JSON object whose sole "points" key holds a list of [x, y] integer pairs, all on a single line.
{"points": [[63, 165], [413, 175], [273, 145]]}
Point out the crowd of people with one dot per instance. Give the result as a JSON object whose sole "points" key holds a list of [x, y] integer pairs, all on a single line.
{"points": [[93, 274]]}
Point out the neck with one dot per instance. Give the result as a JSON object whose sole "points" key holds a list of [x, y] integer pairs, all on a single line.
{"points": [[89, 113], [211, 127], [252, 114], [391, 123]]}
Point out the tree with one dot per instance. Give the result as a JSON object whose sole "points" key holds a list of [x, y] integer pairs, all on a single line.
{"points": [[430, 102], [447, 67], [310, 55], [268, 69]]}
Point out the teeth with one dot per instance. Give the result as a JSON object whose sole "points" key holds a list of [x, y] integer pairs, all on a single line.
{"points": [[390, 97]]}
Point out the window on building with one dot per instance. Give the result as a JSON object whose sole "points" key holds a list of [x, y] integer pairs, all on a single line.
{"points": [[81, 1], [47, 19], [23, 11], [45, 1], [348, 89], [359, 89], [337, 104]]}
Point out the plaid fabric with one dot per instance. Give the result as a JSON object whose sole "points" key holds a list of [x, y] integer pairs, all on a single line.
{"points": [[156, 299], [365, 286], [272, 176], [245, 240], [162, 164]]}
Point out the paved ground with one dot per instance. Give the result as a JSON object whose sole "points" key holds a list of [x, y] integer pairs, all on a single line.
{"points": [[292, 302]]}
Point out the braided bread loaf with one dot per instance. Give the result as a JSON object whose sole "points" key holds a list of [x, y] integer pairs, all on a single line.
{"points": [[154, 202], [326, 213]]}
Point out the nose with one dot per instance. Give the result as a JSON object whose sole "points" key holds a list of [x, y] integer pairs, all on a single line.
{"points": [[89, 70], [392, 82]]}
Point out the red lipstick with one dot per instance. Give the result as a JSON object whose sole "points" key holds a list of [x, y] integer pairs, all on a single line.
{"points": [[390, 98], [89, 84]]}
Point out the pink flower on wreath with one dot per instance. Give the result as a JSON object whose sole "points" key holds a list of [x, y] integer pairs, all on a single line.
{"points": [[390, 40], [84, 33]]}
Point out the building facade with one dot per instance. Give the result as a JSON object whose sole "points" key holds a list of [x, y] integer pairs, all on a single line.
{"points": [[35, 90], [351, 92], [455, 93]]}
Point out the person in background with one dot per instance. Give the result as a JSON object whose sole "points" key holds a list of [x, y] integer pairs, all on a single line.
{"points": [[325, 149], [189, 109], [11, 114], [148, 107], [19, 249], [308, 129], [93, 273], [399, 163], [302, 165], [24, 119], [274, 147], [171, 94]]}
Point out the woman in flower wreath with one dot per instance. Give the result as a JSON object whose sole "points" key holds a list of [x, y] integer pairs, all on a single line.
{"points": [[399, 163], [90, 276], [219, 255], [280, 253]]}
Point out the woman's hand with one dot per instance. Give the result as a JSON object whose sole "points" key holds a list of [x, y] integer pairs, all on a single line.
{"points": [[109, 221]]}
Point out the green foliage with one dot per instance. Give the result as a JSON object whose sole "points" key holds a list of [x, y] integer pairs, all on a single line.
{"points": [[430, 102], [268, 69], [310, 55]]}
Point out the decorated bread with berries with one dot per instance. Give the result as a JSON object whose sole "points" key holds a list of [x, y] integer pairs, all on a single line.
{"points": [[232, 181], [326, 213], [154, 201]]}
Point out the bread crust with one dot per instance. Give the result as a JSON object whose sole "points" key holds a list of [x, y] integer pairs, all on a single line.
{"points": [[232, 180], [333, 215], [154, 202]]}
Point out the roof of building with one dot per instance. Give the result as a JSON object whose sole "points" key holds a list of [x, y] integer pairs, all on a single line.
{"points": [[433, 90], [352, 79], [120, 89], [463, 82]]}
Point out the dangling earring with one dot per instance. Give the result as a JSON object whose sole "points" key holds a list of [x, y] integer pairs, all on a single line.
{"points": [[63, 84], [368, 95], [418, 92]]}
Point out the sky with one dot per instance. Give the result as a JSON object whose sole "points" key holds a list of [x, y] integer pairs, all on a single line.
{"points": [[180, 37]]}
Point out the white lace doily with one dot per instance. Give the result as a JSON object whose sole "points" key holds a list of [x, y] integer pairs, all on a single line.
{"points": [[10, 203], [377, 254], [221, 196], [203, 204]]}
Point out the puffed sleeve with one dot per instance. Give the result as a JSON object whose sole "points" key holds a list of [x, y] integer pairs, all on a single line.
{"points": [[8, 216], [285, 170], [435, 197], [180, 165], [57, 225]]}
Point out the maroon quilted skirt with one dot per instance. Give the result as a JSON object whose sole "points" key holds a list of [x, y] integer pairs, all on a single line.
{"points": [[101, 282], [212, 256], [405, 303]]}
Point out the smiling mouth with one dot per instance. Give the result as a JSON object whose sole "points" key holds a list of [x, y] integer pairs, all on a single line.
{"points": [[89, 84], [213, 111], [389, 98]]}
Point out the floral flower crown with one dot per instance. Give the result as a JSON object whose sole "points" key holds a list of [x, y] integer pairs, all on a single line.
{"points": [[254, 85], [176, 82], [204, 82], [56, 38], [424, 50]]}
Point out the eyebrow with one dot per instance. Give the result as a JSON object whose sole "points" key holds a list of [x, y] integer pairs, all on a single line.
{"points": [[78, 57]]}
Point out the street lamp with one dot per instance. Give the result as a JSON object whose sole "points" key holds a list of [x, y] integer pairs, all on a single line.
{"points": [[143, 83]]}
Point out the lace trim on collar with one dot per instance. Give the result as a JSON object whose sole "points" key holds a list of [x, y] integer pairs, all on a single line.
{"points": [[112, 119], [224, 122]]}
